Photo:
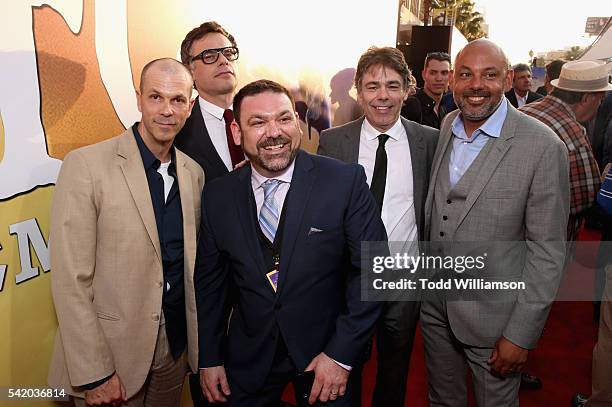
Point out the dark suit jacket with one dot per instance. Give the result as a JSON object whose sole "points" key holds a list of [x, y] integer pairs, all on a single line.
{"points": [[329, 211], [343, 143], [531, 97], [194, 140]]}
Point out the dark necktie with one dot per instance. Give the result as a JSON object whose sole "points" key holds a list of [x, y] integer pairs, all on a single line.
{"points": [[235, 151], [379, 177]]}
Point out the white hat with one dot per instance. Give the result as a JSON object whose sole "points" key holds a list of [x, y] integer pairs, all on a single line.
{"points": [[584, 76]]}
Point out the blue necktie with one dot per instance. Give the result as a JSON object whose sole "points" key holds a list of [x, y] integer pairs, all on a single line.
{"points": [[269, 213]]}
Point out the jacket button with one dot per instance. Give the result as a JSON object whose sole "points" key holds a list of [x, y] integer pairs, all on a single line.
{"points": [[155, 316], [448, 201], [444, 217], [159, 284], [277, 306], [441, 233]]}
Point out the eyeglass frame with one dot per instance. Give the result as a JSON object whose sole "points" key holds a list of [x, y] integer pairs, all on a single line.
{"points": [[218, 51]]}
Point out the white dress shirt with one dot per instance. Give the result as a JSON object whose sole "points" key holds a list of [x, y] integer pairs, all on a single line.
{"points": [[521, 101], [215, 124], [398, 213]]}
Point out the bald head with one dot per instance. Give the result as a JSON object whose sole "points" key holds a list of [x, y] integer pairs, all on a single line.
{"points": [[488, 49], [169, 66]]}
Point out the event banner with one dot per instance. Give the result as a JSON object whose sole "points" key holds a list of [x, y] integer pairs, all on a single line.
{"points": [[68, 69]]}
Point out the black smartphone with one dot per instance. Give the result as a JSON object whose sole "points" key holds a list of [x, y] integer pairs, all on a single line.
{"points": [[303, 385]]}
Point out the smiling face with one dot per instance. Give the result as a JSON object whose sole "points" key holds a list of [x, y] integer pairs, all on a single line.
{"points": [[163, 100], [268, 131], [381, 96], [480, 76], [217, 80]]}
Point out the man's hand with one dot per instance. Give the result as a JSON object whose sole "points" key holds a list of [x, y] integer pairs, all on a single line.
{"points": [[241, 164], [605, 172], [214, 384], [507, 358], [330, 379], [110, 392]]}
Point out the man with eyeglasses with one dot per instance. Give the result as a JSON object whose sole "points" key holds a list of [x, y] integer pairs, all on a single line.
{"points": [[210, 53]]}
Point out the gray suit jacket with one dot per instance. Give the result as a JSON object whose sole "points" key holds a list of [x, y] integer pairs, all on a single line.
{"points": [[521, 194], [342, 143]]}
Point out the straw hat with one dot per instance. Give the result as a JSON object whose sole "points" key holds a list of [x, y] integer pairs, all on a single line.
{"points": [[584, 76]]}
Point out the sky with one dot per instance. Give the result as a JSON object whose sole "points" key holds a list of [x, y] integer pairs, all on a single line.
{"points": [[519, 26]]}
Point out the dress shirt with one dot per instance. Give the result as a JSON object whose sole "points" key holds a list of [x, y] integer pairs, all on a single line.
{"points": [[215, 124], [257, 181], [466, 149], [398, 213], [521, 101], [169, 220]]}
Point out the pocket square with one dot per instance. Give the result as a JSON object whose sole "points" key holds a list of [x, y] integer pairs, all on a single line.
{"points": [[313, 231]]}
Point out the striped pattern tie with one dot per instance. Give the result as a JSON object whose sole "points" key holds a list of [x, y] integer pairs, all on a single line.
{"points": [[269, 213]]}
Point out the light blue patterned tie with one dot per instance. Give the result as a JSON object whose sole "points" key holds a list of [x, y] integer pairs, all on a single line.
{"points": [[269, 213]]}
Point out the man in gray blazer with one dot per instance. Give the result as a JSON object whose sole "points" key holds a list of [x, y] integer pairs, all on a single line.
{"points": [[497, 176], [397, 156]]}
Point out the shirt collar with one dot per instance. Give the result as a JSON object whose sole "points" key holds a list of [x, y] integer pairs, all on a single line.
{"points": [[521, 97], [211, 108], [257, 179], [370, 133], [492, 127], [148, 158]]}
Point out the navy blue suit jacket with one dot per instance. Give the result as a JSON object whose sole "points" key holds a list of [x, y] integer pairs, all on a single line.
{"points": [[318, 306]]}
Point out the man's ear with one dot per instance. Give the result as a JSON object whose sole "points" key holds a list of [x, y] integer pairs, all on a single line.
{"points": [[138, 100], [236, 133]]}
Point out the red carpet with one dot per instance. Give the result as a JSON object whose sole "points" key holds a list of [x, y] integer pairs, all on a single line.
{"points": [[562, 359]]}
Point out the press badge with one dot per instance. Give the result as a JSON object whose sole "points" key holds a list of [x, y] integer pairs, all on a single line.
{"points": [[273, 275]]}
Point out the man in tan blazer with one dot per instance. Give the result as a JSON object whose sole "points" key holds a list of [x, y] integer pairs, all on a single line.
{"points": [[123, 231]]}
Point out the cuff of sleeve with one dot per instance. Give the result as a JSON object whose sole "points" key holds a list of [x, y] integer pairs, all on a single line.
{"points": [[342, 365], [91, 386]]}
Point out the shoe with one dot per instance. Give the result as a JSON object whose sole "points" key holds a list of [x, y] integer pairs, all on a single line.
{"points": [[529, 382], [579, 400]]}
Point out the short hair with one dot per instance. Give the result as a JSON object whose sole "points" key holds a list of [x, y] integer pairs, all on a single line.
{"points": [[169, 65], [521, 68], [198, 33], [568, 96], [438, 56], [388, 57], [553, 68], [255, 88]]}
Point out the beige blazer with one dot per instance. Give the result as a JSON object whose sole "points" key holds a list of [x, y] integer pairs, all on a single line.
{"points": [[106, 264]]}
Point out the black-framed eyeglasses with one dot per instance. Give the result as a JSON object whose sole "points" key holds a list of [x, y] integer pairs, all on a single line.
{"points": [[210, 56]]}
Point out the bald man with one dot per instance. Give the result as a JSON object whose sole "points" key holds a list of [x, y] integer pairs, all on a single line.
{"points": [[500, 179], [123, 227]]}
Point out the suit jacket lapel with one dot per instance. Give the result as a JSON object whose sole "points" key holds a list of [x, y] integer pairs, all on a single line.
{"points": [[301, 185], [419, 167], [496, 154], [200, 132], [244, 204], [189, 227], [352, 136], [136, 179]]}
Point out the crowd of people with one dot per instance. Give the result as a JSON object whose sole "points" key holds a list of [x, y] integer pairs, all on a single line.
{"points": [[204, 242]]}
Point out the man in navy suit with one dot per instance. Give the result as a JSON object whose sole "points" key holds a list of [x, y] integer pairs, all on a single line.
{"points": [[300, 220]]}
